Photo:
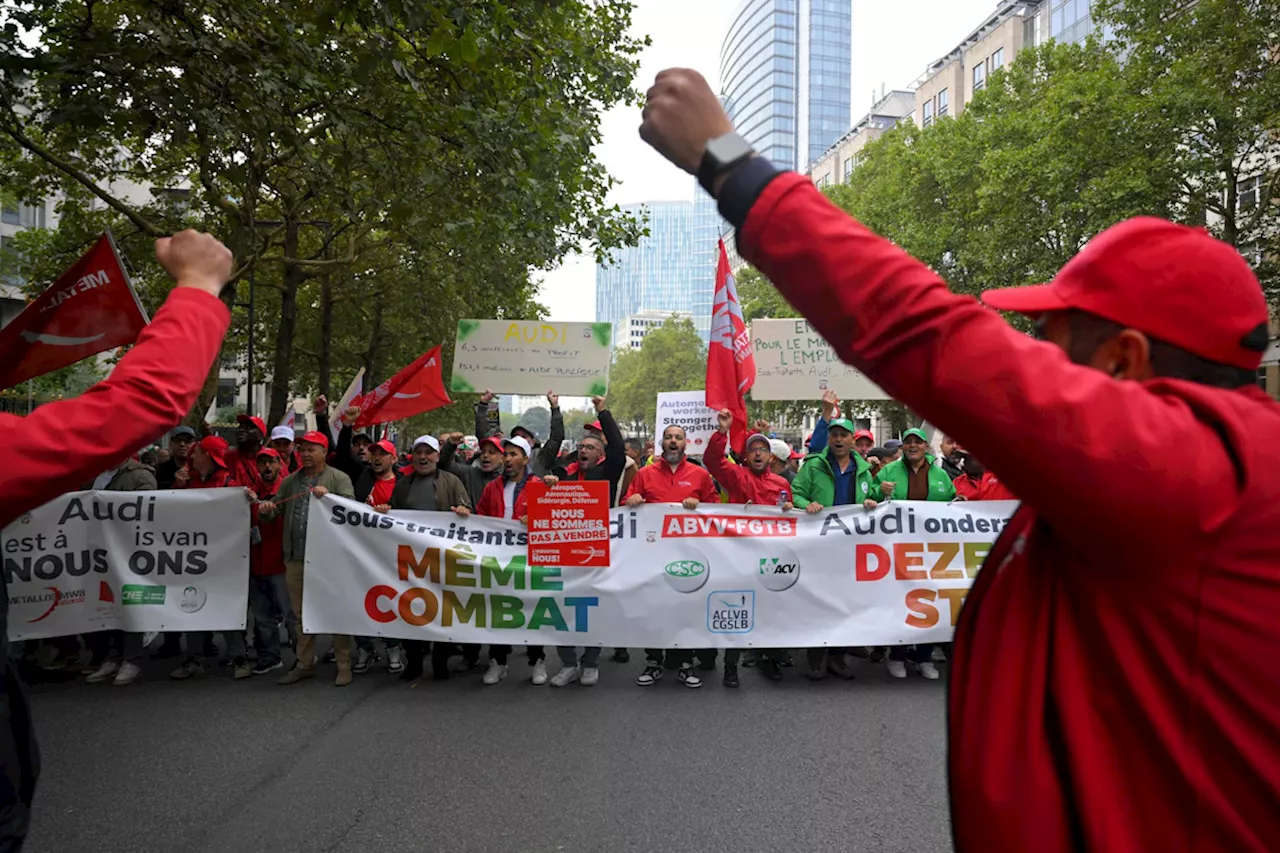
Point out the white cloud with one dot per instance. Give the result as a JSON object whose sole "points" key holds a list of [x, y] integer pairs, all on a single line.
{"points": [[892, 45]]}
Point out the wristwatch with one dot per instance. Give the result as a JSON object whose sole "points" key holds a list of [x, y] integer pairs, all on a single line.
{"points": [[722, 154]]}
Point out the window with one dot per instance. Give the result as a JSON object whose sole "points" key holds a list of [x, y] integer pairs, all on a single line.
{"points": [[227, 393], [997, 59], [9, 214], [1247, 193], [926, 113], [979, 77], [942, 103], [848, 167]]}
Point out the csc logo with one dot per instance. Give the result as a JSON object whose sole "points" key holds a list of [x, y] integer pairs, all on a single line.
{"points": [[686, 575]]}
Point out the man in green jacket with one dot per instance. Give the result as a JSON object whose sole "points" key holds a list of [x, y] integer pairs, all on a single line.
{"points": [[914, 477], [319, 479], [835, 476]]}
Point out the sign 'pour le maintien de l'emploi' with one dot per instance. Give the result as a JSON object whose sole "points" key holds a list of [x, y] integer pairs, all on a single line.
{"points": [[793, 362]]}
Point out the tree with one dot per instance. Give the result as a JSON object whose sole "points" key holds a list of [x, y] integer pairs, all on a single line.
{"points": [[538, 421], [671, 358]]}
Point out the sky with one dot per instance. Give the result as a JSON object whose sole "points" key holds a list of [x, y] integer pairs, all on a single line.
{"points": [[893, 43]]}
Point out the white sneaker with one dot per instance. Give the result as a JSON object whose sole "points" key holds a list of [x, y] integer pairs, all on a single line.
{"points": [[938, 655], [590, 676], [928, 670], [540, 672], [102, 673], [128, 674], [897, 669], [566, 676], [395, 659], [495, 673]]}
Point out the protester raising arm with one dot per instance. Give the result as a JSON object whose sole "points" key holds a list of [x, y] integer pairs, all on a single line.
{"points": [[550, 451], [152, 388]]}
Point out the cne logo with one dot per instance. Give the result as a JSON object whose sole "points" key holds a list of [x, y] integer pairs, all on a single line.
{"points": [[686, 575]]}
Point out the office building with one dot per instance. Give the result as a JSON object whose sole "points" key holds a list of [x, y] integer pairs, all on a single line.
{"points": [[667, 271], [836, 164], [784, 74], [637, 327], [1070, 20]]}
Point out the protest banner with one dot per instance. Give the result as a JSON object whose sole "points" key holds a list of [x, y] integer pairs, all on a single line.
{"points": [[568, 524], [530, 356], [136, 561], [686, 409], [719, 576], [793, 362]]}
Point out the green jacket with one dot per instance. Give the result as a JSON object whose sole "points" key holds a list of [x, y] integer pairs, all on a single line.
{"points": [[816, 481], [940, 486], [133, 476], [295, 512]]}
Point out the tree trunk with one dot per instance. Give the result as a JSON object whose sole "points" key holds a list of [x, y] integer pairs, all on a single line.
{"points": [[371, 360], [282, 363], [326, 332]]}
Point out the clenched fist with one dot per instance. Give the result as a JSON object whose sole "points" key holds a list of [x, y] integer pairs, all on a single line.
{"points": [[193, 259], [681, 114]]}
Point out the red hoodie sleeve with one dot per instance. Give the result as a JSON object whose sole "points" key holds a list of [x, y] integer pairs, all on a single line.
{"points": [[730, 476], [488, 503], [60, 445], [707, 493], [1090, 454]]}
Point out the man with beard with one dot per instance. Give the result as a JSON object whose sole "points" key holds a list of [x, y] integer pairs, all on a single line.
{"points": [[426, 488], [780, 464], [268, 590], [480, 472], [598, 459], [672, 478], [282, 443], [507, 498], [180, 442], [377, 481], [242, 460], [951, 457], [752, 482]]}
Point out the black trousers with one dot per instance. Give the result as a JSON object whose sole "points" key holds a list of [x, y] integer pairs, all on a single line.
{"points": [[670, 658], [499, 654], [416, 652]]}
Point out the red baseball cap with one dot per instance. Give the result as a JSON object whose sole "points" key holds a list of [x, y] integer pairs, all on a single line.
{"points": [[864, 433], [268, 451], [257, 423], [796, 454], [385, 446], [216, 448], [1174, 283], [595, 425], [494, 440], [314, 437]]}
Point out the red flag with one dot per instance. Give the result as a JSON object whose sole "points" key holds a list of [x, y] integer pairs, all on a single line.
{"points": [[731, 365], [91, 308], [416, 389]]}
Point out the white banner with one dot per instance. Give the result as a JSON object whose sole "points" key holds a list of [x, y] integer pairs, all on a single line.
{"points": [[721, 576], [689, 410], [531, 356], [793, 362], [138, 561]]}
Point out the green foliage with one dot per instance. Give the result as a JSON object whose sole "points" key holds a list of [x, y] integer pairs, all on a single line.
{"points": [[672, 358]]}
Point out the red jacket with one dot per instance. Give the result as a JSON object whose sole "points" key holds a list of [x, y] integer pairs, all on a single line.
{"points": [[267, 556], [1105, 693], [741, 483], [245, 471], [219, 478], [986, 488], [658, 484], [150, 390], [493, 500]]}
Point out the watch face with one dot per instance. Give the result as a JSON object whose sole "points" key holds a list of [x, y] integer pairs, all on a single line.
{"points": [[728, 149]]}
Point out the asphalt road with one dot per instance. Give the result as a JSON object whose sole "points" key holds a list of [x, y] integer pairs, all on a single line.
{"points": [[215, 765]]}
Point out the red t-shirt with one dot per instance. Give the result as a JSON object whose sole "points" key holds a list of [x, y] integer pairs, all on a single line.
{"points": [[382, 490]]}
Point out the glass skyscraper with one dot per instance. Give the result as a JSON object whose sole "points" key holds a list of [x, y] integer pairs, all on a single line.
{"points": [[784, 73], [667, 270]]}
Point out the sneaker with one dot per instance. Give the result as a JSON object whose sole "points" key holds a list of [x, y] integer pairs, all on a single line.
{"points": [[344, 676], [816, 673], [652, 673], [730, 676], [786, 659], [496, 672], [540, 672], [877, 655], [264, 667], [331, 656], [102, 673], [463, 665], [297, 674], [395, 659], [566, 676], [938, 655], [750, 658], [243, 669], [187, 670], [836, 666], [363, 658], [708, 665], [928, 670], [688, 677], [621, 656], [590, 676], [128, 674], [769, 668], [897, 668]]}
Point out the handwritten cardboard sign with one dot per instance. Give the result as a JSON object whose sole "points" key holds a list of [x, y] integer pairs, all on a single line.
{"points": [[793, 362], [531, 356]]}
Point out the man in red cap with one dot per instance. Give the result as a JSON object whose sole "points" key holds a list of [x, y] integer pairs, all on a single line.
{"points": [[863, 441], [207, 468], [375, 486], [242, 460], [1151, 338], [268, 591], [66, 443]]}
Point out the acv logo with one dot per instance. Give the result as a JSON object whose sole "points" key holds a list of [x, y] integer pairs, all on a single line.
{"points": [[779, 573], [686, 575]]}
